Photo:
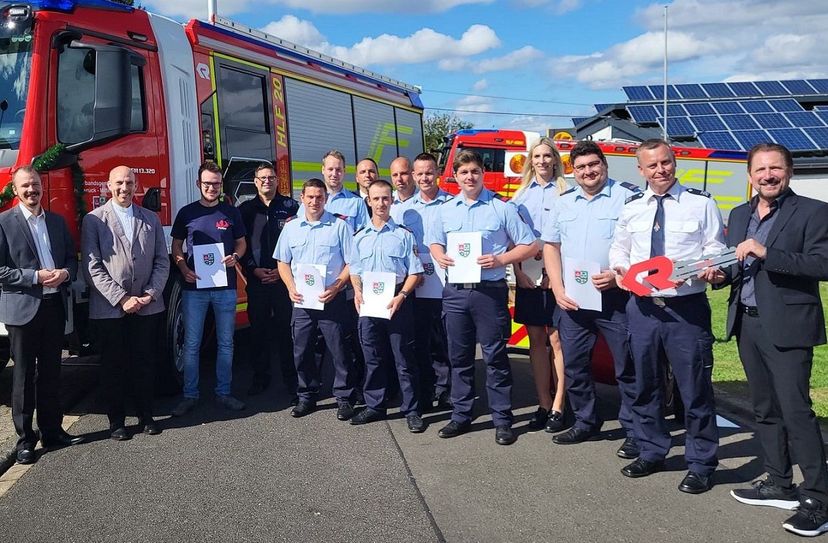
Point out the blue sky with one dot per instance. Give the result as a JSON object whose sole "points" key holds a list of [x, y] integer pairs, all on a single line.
{"points": [[557, 56]]}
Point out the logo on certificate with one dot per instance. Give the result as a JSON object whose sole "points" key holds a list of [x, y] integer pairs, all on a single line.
{"points": [[464, 249], [428, 267], [581, 276], [378, 287], [310, 280], [209, 258]]}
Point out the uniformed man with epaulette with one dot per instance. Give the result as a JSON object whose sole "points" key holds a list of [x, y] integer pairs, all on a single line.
{"points": [[682, 224], [268, 303], [384, 246], [581, 227], [478, 312], [416, 213], [402, 182], [316, 236]]}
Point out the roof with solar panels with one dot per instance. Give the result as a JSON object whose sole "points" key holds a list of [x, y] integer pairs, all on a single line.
{"points": [[728, 116]]}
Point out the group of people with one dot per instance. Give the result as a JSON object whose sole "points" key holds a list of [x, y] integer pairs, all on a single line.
{"points": [[424, 348]]}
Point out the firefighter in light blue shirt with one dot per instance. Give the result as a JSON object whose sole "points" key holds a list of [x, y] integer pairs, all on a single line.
{"points": [[478, 312], [430, 348], [581, 227], [384, 246], [316, 236], [341, 202]]}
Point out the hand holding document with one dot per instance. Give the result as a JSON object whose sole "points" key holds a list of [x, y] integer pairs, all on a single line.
{"points": [[533, 267], [209, 267], [377, 293], [578, 283], [434, 279], [464, 248], [310, 283]]}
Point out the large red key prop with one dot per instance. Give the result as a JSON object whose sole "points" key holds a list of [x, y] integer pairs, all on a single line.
{"points": [[660, 269]]}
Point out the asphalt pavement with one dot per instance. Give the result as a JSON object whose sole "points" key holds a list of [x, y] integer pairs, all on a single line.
{"points": [[260, 475]]}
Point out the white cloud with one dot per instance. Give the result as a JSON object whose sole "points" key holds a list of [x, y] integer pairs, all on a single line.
{"points": [[748, 39], [519, 57], [198, 8], [480, 85], [424, 45], [478, 104], [295, 30]]}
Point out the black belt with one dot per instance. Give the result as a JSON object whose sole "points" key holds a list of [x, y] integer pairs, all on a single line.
{"points": [[52, 296], [666, 301], [749, 310], [481, 284]]}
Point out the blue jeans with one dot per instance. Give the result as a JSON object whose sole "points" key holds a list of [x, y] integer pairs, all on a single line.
{"points": [[194, 305]]}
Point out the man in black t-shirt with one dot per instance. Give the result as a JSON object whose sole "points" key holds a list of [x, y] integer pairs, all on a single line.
{"points": [[205, 222]]}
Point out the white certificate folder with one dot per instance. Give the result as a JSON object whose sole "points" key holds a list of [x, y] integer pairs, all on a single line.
{"points": [[209, 267], [464, 248]]}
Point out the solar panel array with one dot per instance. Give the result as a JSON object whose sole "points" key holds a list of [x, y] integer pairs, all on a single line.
{"points": [[737, 115]]}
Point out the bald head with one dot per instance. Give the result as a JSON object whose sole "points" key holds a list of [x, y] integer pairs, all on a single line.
{"points": [[121, 185], [401, 177]]}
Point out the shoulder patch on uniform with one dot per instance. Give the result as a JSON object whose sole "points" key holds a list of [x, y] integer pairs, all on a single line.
{"points": [[290, 203], [634, 197], [567, 191], [698, 192], [290, 219], [630, 186]]}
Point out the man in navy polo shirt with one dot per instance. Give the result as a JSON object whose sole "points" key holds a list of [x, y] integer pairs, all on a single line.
{"points": [[208, 221]]}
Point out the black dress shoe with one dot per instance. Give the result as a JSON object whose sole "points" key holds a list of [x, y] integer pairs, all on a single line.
{"points": [[416, 424], [60, 439], [119, 434], [629, 449], [642, 468], [345, 411], [367, 415], [555, 422], [26, 455], [539, 419], [574, 435], [696, 483], [444, 401], [151, 428], [504, 435], [454, 429], [302, 409]]}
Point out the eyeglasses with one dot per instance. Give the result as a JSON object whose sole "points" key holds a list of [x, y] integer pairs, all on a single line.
{"points": [[590, 165], [211, 185], [267, 178]]}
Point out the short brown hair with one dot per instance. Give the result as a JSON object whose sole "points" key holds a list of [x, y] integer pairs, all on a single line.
{"points": [[26, 168], [653, 143], [336, 154], [467, 157], [382, 182], [423, 157], [769, 148], [585, 148], [314, 183], [264, 166], [208, 166]]}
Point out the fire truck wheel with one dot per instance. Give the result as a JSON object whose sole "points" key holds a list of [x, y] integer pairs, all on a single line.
{"points": [[170, 376]]}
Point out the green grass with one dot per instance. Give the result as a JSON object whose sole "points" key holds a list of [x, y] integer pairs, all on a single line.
{"points": [[727, 368]]}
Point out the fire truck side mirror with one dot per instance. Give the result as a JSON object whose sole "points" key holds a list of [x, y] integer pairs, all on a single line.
{"points": [[152, 199], [113, 91]]}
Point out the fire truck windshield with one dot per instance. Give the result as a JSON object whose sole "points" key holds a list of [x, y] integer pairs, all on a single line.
{"points": [[15, 73]]}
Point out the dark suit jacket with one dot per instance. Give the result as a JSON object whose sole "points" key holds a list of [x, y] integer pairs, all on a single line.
{"points": [[19, 299], [787, 281]]}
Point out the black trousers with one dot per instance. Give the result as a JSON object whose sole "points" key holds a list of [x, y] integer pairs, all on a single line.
{"points": [[431, 349], [128, 352], [269, 310], [780, 392], [36, 350]]}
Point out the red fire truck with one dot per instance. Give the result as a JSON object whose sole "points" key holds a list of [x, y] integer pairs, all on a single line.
{"points": [[91, 84]]}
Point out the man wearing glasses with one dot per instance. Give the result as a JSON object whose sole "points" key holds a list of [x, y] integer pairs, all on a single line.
{"points": [[206, 221], [268, 303]]}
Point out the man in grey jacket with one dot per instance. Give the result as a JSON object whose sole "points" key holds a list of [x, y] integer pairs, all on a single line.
{"points": [[126, 265]]}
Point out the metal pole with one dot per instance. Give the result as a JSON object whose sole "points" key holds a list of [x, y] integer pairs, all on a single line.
{"points": [[664, 113], [212, 8]]}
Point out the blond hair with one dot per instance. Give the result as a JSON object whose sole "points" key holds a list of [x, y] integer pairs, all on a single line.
{"points": [[528, 173]]}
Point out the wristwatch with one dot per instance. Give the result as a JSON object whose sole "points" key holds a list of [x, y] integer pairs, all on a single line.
{"points": [[405, 293]]}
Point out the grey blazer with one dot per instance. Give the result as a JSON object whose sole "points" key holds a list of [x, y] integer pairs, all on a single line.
{"points": [[115, 266], [19, 298]]}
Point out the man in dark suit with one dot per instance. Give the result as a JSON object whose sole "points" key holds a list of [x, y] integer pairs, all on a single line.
{"points": [[126, 265], [37, 264], [775, 312]]}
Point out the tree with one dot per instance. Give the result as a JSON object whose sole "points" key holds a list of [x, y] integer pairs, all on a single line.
{"points": [[436, 126], [125, 2]]}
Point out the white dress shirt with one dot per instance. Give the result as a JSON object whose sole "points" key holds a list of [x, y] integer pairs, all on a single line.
{"points": [[37, 226], [125, 215]]}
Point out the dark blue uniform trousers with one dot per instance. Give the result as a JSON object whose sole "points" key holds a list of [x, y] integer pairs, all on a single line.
{"points": [[682, 330], [578, 331], [430, 348], [385, 344], [331, 322], [479, 315]]}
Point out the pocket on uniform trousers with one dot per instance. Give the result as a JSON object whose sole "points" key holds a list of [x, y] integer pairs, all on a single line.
{"points": [[705, 349]]}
